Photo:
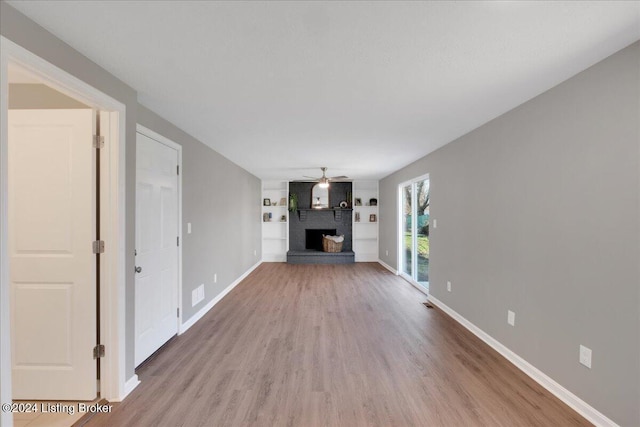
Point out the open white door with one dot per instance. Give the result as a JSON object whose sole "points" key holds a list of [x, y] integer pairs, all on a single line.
{"points": [[52, 214], [156, 294]]}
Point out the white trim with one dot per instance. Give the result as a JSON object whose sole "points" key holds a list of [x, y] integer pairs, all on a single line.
{"points": [[157, 137], [6, 417], [388, 267], [413, 283], [579, 405], [129, 386], [113, 214], [193, 319], [169, 143], [112, 278]]}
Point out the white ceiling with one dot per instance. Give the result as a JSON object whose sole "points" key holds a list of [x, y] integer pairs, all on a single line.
{"points": [[364, 88]]}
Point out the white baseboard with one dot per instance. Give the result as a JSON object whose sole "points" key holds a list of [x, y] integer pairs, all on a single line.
{"points": [[129, 385], [579, 405], [193, 319], [388, 267]]}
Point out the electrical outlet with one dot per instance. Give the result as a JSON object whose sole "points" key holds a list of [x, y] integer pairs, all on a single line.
{"points": [[255, 252], [215, 278], [435, 224], [188, 228], [448, 286], [387, 252], [511, 318], [585, 356]]}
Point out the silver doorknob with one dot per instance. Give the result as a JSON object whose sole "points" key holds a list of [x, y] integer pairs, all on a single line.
{"points": [[138, 269]]}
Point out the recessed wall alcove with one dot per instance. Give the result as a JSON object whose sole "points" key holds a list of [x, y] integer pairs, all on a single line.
{"points": [[307, 223]]}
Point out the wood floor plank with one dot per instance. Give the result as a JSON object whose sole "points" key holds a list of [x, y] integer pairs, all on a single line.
{"points": [[332, 345]]}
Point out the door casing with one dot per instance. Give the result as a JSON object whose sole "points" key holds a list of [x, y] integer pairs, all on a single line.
{"points": [[114, 385]]}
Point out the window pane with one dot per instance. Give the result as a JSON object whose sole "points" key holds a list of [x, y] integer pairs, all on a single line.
{"points": [[422, 210], [407, 209]]}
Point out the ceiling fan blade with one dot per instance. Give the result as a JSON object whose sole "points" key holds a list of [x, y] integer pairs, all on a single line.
{"points": [[339, 177], [312, 177]]}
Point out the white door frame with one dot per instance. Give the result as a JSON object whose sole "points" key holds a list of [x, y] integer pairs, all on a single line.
{"points": [[112, 292], [169, 143], [401, 231]]}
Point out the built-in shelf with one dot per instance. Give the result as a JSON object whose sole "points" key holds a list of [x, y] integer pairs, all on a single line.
{"points": [[365, 232], [275, 233]]}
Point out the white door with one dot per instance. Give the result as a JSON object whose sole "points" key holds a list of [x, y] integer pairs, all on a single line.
{"points": [[53, 270], [156, 295]]}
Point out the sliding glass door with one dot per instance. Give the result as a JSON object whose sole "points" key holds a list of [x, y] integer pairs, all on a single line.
{"points": [[414, 231]]}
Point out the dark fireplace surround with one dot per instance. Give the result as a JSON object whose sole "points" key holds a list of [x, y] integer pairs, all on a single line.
{"points": [[306, 226]]}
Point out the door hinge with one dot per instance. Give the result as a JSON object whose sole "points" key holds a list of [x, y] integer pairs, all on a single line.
{"points": [[98, 246], [178, 241], [98, 351], [178, 169], [98, 141]]}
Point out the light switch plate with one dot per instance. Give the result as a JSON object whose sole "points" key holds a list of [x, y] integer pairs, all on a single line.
{"points": [[511, 318], [585, 356]]}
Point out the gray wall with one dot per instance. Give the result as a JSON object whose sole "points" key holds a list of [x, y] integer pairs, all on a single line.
{"points": [[27, 96], [538, 212], [222, 202]]}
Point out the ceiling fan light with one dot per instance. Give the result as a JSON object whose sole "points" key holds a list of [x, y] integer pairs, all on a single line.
{"points": [[324, 183]]}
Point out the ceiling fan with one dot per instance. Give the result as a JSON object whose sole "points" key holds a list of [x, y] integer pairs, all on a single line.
{"points": [[324, 179]]}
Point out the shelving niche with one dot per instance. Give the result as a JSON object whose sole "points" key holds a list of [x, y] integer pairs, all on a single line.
{"points": [[365, 231], [275, 231]]}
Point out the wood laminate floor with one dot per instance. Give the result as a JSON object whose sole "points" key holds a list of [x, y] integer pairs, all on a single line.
{"points": [[332, 345]]}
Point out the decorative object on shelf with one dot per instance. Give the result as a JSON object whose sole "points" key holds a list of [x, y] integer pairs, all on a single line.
{"points": [[343, 204], [373, 202], [266, 202], [358, 201], [293, 202], [332, 244], [357, 216], [283, 218], [274, 203], [283, 202], [372, 218], [265, 217]]}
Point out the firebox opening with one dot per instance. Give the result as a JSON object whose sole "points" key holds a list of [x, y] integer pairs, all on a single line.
{"points": [[313, 237]]}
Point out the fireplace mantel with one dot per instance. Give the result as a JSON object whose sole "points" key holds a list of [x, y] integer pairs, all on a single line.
{"points": [[337, 212]]}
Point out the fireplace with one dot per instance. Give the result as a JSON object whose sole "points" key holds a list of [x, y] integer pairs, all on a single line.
{"points": [[313, 237], [307, 225]]}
